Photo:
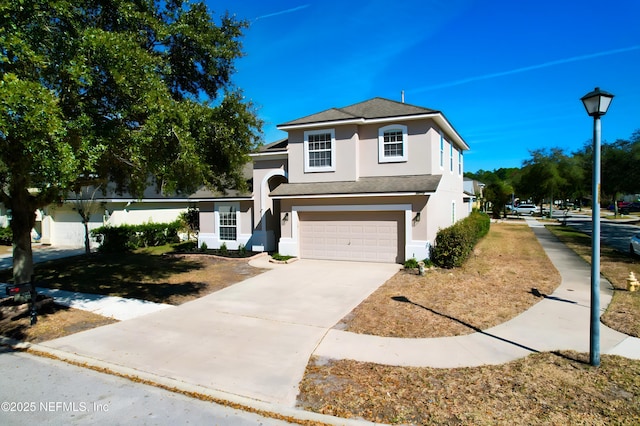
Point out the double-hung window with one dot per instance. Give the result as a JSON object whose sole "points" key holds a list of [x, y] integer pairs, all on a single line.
{"points": [[451, 158], [228, 223], [441, 150], [392, 144], [319, 151]]}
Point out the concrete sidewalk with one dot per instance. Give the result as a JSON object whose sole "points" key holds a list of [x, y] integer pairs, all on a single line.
{"points": [[559, 321]]}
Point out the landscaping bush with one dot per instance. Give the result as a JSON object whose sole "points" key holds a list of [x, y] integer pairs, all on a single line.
{"points": [[411, 263], [454, 244], [130, 237], [6, 236]]}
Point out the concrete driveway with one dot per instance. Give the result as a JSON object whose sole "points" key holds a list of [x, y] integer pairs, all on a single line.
{"points": [[252, 339]]}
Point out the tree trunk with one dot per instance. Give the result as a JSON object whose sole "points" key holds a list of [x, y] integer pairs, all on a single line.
{"points": [[87, 246], [23, 218]]}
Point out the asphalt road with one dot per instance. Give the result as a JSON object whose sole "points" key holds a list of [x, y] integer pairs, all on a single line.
{"points": [[613, 234], [35, 390]]}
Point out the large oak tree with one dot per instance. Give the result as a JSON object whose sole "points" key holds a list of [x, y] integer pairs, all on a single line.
{"points": [[130, 91]]}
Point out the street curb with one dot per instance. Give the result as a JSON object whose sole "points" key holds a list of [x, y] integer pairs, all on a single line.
{"points": [[200, 392]]}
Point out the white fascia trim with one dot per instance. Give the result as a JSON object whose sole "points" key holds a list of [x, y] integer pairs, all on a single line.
{"points": [[354, 208], [270, 155], [222, 200], [358, 195], [321, 124]]}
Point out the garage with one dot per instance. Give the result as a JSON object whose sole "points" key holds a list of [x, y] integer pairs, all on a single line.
{"points": [[352, 236]]}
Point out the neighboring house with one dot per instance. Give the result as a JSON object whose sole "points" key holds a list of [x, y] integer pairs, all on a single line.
{"points": [[474, 190], [374, 181], [61, 224]]}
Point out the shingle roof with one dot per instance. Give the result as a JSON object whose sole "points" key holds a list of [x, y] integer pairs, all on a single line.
{"points": [[277, 146], [371, 109], [368, 185]]}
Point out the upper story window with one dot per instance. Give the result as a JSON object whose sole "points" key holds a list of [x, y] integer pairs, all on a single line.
{"points": [[319, 151], [441, 150], [460, 162], [451, 157], [392, 143]]}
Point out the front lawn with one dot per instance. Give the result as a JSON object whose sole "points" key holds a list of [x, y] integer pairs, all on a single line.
{"points": [[155, 274]]}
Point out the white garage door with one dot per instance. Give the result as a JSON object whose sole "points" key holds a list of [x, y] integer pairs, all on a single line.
{"points": [[354, 236]]}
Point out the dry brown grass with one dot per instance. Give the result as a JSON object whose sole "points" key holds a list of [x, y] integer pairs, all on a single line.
{"points": [[546, 388], [53, 321], [492, 287]]}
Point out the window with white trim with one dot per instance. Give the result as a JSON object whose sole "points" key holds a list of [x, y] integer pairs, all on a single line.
{"points": [[319, 151], [228, 223], [451, 158], [392, 143], [441, 150], [460, 162]]}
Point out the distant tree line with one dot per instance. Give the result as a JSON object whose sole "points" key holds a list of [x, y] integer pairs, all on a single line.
{"points": [[553, 174]]}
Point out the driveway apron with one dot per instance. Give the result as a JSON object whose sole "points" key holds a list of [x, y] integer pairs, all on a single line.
{"points": [[251, 339]]}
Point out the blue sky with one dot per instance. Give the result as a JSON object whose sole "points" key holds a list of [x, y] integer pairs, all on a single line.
{"points": [[508, 74]]}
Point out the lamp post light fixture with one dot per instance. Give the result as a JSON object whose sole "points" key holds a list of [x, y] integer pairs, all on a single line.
{"points": [[596, 103]]}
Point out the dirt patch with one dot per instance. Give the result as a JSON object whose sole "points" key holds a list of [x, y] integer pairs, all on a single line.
{"points": [[493, 286], [53, 321]]}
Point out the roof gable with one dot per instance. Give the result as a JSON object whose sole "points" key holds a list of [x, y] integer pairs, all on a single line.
{"points": [[375, 108]]}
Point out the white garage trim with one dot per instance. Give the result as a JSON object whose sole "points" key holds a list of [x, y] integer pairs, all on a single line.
{"points": [[291, 246]]}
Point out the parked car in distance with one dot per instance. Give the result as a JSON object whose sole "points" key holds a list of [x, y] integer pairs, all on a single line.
{"points": [[634, 245], [633, 207], [525, 209]]}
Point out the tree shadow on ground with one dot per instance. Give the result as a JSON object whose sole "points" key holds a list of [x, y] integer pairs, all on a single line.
{"points": [[404, 299], [134, 275]]}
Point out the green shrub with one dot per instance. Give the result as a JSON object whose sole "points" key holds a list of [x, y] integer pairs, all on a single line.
{"points": [[114, 239], [130, 237], [6, 236], [203, 246], [223, 249], [281, 257], [454, 244], [411, 263], [242, 250]]}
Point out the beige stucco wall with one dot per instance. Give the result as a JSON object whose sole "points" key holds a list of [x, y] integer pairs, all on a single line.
{"points": [[208, 229], [346, 166], [420, 150], [263, 171], [357, 153], [206, 217], [439, 209]]}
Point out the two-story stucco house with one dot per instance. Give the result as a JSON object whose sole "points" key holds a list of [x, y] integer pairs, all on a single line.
{"points": [[374, 181]]}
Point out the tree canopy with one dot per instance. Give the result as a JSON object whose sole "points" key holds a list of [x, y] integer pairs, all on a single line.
{"points": [[137, 92], [554, 174]]}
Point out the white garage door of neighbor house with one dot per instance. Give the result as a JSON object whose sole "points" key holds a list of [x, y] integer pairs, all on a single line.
{"points": [[354, 236]]}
